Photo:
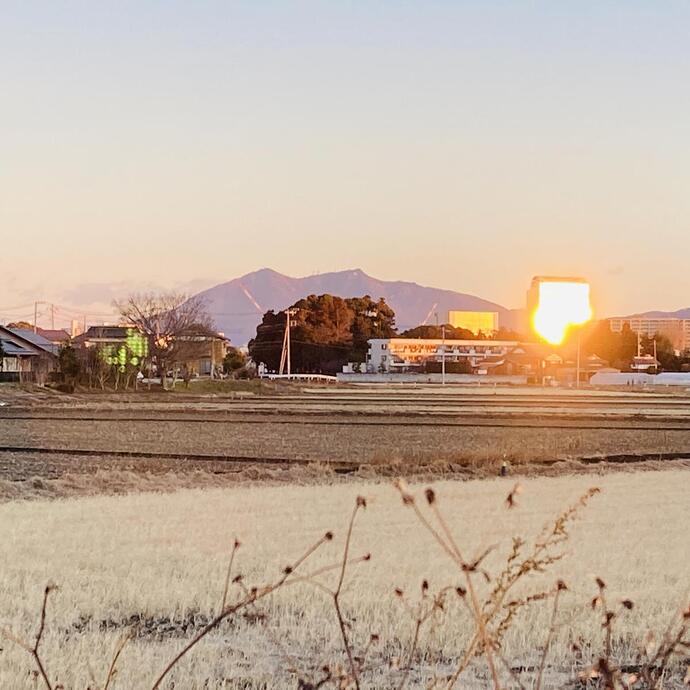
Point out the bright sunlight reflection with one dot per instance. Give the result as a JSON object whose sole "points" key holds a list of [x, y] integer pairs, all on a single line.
{"points": [[561, 304]]}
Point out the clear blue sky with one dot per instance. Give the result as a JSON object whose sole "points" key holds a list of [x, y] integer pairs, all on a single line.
{"points": [[466, 145]]}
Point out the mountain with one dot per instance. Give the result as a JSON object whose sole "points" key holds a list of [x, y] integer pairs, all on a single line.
{"points": [[238, 305], [680, 314]]}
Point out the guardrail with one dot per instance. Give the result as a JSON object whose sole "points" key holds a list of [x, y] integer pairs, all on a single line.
{"points": [[301, 377]]}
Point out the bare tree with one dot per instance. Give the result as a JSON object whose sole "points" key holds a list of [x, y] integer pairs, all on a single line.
{"points": [[168, 321]]}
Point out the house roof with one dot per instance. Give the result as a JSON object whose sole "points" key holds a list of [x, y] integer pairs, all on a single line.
{"points": [[12, 349], [55, 335], [15, 344], [102, 333], [36, 339]]}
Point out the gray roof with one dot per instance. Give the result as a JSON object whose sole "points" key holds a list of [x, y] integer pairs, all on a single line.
{"points": [[13, 350], [36, 339]]}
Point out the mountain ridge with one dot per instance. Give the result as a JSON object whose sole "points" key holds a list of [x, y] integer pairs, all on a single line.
{"points": [[238, 304]]}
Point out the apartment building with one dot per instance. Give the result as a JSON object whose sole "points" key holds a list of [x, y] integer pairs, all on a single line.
{"points": [[676, 330]]}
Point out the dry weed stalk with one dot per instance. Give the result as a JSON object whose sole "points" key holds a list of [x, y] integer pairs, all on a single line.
{"points": [[34, 649], [255, 594], [486, 641]]}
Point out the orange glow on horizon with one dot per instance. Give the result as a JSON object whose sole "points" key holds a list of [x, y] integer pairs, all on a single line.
{"points": [[561, 304]]}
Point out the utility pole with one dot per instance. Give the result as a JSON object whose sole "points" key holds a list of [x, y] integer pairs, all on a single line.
{"points": [[52, 317], [579, 341], [35, 316], [285, 359], [443, 350], [443, 355]]}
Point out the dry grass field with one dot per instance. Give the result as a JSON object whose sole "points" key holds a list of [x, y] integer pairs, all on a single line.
{"points": [[156, 563]]}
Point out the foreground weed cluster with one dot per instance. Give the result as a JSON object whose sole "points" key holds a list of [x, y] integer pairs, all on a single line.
{"points": [[492, 600]]}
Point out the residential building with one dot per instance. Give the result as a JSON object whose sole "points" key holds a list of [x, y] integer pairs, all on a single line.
{"points": [[200, 351], [485, 322], [102, 335], [676, 330], [25, 359]]}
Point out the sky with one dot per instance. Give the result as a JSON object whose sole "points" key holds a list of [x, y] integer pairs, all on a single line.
{"points": [[462, 145]]}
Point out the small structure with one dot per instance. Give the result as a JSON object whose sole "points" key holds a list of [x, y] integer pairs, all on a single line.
{"points": [[644, 363]]}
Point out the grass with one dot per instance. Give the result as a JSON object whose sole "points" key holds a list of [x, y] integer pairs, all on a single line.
{"points": [[160, 561]]}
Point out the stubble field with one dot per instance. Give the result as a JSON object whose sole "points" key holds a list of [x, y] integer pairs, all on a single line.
{"points": [[277, 473], [159, 562]]}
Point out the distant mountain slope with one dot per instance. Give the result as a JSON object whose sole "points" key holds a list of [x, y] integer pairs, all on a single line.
{"points": [[680, 314], [238, 305]]}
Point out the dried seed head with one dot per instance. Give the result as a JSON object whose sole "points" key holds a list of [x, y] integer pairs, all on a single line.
{"points": [[361, 502], [600, 583], [425, 585], [236, 579], [374, 638], [561, 586], [460, 591], [430, 496], [237, 544], [287, 570], [328, 536], [628, 604], [366, 557], [407, 497], [398, 592]]}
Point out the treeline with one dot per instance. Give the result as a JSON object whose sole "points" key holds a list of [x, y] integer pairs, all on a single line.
{"points": [[619, 349], [326, 333]]}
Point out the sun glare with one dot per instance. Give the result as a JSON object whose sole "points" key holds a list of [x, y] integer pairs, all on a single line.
{"points": [[561, 305]]}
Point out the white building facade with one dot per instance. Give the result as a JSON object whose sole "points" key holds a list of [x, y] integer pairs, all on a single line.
{"points": [[388, 355]]}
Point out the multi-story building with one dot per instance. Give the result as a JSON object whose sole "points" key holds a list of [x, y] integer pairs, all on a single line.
{"points": [[405, 354], [676, 330], [485, 322]]}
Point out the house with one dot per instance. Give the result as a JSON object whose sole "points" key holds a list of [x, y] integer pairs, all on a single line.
{"points": [[102, 335], [201, 351], [26, 356]]}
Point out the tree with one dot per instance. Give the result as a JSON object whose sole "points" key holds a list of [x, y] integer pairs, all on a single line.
{"points": [[665, 352], [233, 361], [168, 321], [617, 348], [327, 332], [371, 320], [69, 365], [436, 332], [24, 325]]}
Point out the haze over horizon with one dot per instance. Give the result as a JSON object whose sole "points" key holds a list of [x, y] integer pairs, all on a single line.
{"points": [[460, 147]]}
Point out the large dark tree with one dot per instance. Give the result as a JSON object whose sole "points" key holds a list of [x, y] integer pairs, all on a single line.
{"points": [[326, 333]]}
